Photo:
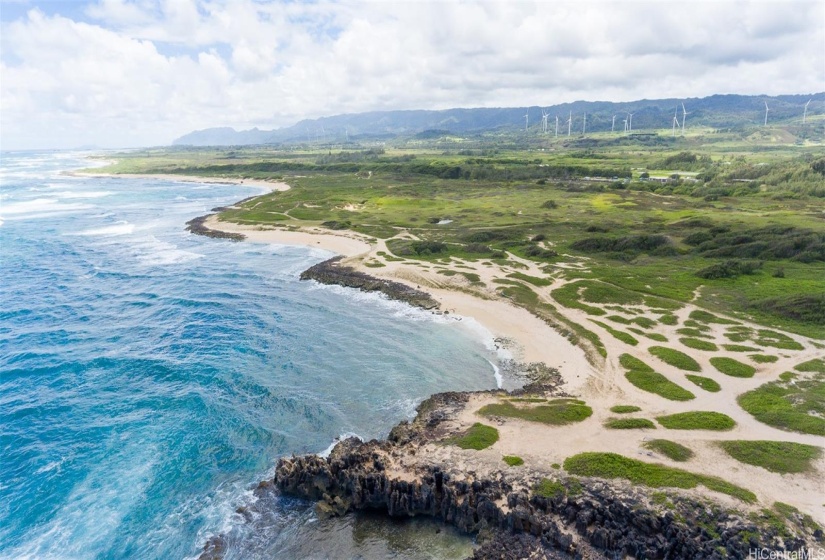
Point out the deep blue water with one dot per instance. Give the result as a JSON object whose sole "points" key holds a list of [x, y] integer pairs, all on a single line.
{"points": [[149, 377]]}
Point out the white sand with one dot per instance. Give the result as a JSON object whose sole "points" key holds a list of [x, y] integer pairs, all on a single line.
{"points": [[602, 387]]}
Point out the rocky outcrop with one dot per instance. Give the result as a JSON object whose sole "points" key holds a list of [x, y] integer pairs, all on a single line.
{"points": [[598, 521], [333, 272], [198, 227], [588, 518]]}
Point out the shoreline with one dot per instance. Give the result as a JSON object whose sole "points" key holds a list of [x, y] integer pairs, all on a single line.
{"points": [[530, 339]]}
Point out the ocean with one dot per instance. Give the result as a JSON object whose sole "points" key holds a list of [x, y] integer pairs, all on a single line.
{"points": [[149, 378]]}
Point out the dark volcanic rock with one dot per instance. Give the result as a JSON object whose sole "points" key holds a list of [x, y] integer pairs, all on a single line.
{"points": [[196, 226], [332, 272]]}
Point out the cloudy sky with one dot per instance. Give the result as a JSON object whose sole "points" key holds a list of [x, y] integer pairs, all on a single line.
{"points": [[119, 73]]}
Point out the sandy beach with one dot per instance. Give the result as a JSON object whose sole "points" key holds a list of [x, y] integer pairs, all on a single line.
{"points": [[601, 383]]}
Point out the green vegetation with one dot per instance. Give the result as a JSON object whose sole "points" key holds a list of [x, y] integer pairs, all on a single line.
{"points": [[698, 344], [631, 362], [675, 358], [553, 489], [791, 404], [739, 348], [731, 367], [555, 413], [763, 358], [669, 449], [478, 436], [612, 465], [658, 384], [795, 516], [642, 376], [705, 317], [513, 460], [697, 420], [620, 335], [817, 365], [534, 280], [775, 456], [705, 383], [629, 424], [624, 409], [484, 196]]}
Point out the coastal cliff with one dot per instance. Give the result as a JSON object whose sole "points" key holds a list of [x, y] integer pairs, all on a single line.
{"points": [[505, 508]]}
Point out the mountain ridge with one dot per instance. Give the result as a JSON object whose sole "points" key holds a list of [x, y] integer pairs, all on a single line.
{"points": [[716, 111]]}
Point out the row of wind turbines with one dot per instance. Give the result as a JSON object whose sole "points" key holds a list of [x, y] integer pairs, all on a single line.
{"points": [[628, 121]]}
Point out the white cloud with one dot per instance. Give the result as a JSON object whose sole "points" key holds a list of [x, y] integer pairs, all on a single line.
{"points": [[145, 71]]}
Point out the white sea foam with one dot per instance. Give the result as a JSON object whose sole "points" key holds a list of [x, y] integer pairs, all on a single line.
{"points": [[496, 374], [325, 453], [82, 194], [122, 228], [151, 251], [39, 208]]}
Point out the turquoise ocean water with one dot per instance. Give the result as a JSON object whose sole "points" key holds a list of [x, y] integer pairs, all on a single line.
{"points": [[149, 377]]}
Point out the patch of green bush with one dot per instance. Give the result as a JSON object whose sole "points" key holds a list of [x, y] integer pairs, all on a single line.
{"points": [[669, 449], [534, 280], [613, 465], [631, 362], [739, 348], [791, 404], [478, 436], [731, 367], [553, 413], [629, 424], [705, 383], [775, 456], [729, 269], [698, 344], [624, 409], [675, 358], [817, 365], [668, 319], [805, 308], [513, 460], [658, 384], [763, 358], [697, 420], [704, 317], [619, 335]]}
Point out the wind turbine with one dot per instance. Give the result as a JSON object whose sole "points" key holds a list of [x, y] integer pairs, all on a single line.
{"points": [[675, 120], [526, 120], [544, 115], [613, 125], [630, 122], [569, 123], [805, 113], [766, 113], [557, 126], [684, 118], [625, 125], [584, 123]]}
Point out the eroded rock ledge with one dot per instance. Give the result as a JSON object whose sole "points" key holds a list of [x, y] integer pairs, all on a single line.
{"points": [[598, 520], [589, 519], [333, 272], [198, 227]]}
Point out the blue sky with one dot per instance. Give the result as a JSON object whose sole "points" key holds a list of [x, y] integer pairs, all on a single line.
{"points": [[119, 73]]}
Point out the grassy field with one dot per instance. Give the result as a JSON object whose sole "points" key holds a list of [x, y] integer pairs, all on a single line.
{"points": [[697, 420], [478, 436], [611, 465], [629, 424], [791, 404], [775, 456], [670, 449], [746, 227], [556, 413]]}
